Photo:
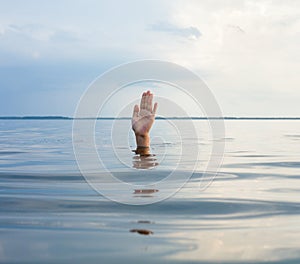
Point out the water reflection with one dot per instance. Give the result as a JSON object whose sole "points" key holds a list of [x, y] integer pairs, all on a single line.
{"points": [[143, 159], [144, 232], [145, 191]]}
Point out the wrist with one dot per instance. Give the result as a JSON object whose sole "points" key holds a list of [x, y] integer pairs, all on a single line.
{"points": [[138, 134], [142, 140]]}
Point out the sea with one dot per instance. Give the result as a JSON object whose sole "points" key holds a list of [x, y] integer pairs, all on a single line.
{"points": [[59, 203]]}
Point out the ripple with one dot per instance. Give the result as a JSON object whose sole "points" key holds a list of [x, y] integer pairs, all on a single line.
{"points": [[284, 164], [11, 152]]}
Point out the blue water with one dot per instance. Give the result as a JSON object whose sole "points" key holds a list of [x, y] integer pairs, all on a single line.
{"points": [[248, 213]]}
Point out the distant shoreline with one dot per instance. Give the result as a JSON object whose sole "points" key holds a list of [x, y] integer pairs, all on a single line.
{"points": [[157, 118]]}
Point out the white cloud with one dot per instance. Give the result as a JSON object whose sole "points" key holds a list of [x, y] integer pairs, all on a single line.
{"points": [[186, 32], [248, 53], [33, 31]]}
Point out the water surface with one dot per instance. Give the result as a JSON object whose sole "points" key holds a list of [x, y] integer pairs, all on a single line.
{"points": [[249, 213]]}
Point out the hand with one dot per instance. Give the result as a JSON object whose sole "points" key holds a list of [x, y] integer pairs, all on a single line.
{"points": [[143, 118]]}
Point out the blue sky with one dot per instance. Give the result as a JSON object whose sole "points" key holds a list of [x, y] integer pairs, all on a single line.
{"points": [[246, 51]]}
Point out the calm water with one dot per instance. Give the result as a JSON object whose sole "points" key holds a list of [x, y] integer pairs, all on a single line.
{"points": [[249, 213]]}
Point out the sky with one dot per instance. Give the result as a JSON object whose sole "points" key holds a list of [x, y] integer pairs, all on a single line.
{"points": [[246, 51]]}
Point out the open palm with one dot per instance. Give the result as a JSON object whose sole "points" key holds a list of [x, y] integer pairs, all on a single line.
{"points": [[143, 117]]}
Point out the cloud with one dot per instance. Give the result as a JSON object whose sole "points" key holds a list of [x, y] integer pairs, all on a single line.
{"points": [[186, 32], [245, 49], [41, 32], [33, 31], [236, 28], [35, 41]]}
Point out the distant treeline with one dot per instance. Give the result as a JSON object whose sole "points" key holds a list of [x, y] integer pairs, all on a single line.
{"points": [[37, 117], [157, 118]]}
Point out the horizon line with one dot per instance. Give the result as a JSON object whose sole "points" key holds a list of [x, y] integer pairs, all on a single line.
{"points": [[56, 117]]}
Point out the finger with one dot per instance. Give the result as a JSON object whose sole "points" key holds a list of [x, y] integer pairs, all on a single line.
{"points": [[142, 104], [154, 108], [146, 101], [149, 102], [136, 110]]}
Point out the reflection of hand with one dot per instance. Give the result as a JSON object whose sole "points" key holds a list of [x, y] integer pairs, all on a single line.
{"points": [[144, 161], [143, 118]]}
